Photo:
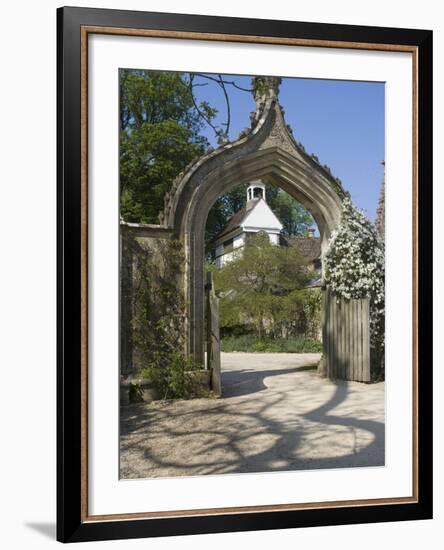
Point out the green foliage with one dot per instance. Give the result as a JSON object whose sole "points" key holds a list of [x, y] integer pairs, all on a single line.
{"points": [[262, 287], [175, 379], [222, 210], [294, 217], [251, 343], [159, 136]]}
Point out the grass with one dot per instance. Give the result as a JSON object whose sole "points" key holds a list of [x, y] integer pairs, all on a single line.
{"points": [[251, 343]]}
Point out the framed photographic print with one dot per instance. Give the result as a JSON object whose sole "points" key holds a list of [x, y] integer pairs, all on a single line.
{"points": [[244, 284]]}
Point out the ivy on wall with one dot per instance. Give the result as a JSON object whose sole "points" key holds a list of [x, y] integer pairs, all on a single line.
{"points": [[158, 317]]}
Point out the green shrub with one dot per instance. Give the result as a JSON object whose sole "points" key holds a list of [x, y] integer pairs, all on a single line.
{"points": [[174, 380], [251, 343]]}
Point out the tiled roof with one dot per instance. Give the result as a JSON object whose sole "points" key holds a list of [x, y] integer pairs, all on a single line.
{"points": [[308, 247]]}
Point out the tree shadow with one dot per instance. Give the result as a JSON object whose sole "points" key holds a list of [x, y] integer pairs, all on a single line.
{"points": [[246, 381], [220, 436]]}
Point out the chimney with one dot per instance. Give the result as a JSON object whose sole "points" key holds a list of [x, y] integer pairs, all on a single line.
{"points": [[311, 232]]}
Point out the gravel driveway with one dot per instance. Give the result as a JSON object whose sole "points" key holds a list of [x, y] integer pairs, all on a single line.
{"points": [[276, 413]]}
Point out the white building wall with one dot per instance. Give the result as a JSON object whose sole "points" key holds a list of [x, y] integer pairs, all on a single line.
{"points": [[274, 238], [239, 241]]}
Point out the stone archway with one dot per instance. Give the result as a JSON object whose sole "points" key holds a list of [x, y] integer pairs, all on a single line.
{"points": [[266, 150]]}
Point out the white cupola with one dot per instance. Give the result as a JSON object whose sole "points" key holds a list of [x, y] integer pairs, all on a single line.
{"points": [[256, 190]]}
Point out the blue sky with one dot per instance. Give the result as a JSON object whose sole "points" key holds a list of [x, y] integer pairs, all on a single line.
{"points": [[341, 122]]}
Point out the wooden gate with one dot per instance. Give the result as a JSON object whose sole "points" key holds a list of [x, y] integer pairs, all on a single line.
{"points": [[346, 337], [213, 335]]}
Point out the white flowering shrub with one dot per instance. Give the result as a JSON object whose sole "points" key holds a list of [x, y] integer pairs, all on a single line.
{"points": [[354, 268]]}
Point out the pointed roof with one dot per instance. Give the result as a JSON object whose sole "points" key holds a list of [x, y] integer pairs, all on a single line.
{"points": [[241, 216], [262, 216], [236, 219]]}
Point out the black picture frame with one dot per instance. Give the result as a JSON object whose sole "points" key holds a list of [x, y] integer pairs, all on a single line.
{"points": [[71, 523]]}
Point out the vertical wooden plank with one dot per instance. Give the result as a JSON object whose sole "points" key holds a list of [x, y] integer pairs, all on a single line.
{"points": [[333, 341], [346, 339], [362, 340], [216, 382], [366, 340], [361, 347], [346, 347], [349, 340], [331, 331], [324, 327], [358, 346], [343, 339], [339, 304], [358, 341], [208, 287], [336, 337], [330, 328], [354, 336], [325, 342]]}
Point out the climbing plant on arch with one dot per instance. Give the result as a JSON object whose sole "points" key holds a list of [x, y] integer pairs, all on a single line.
{"points": [[354, 269]]}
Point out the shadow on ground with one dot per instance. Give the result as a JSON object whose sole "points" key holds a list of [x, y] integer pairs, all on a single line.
{"points": [[247, 381], [267, 420]]}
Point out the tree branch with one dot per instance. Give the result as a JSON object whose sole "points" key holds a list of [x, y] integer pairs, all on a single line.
{"points": [[227, 100], [196, 106]]}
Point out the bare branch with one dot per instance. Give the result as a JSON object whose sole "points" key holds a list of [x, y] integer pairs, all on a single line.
{"points": [[230, 82], [222, 83], [227, 100], [196, 106]]}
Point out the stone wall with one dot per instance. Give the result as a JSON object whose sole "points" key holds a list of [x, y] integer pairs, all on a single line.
{"points": [[139, 244]]}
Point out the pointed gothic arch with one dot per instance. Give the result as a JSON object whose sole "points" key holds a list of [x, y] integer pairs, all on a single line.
{"points": [[265, 151]]}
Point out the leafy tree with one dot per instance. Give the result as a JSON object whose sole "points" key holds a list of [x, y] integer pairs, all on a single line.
{"points": [[160, 133], [261, 285], [222, 210], [161, 125], [294, 217]]}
